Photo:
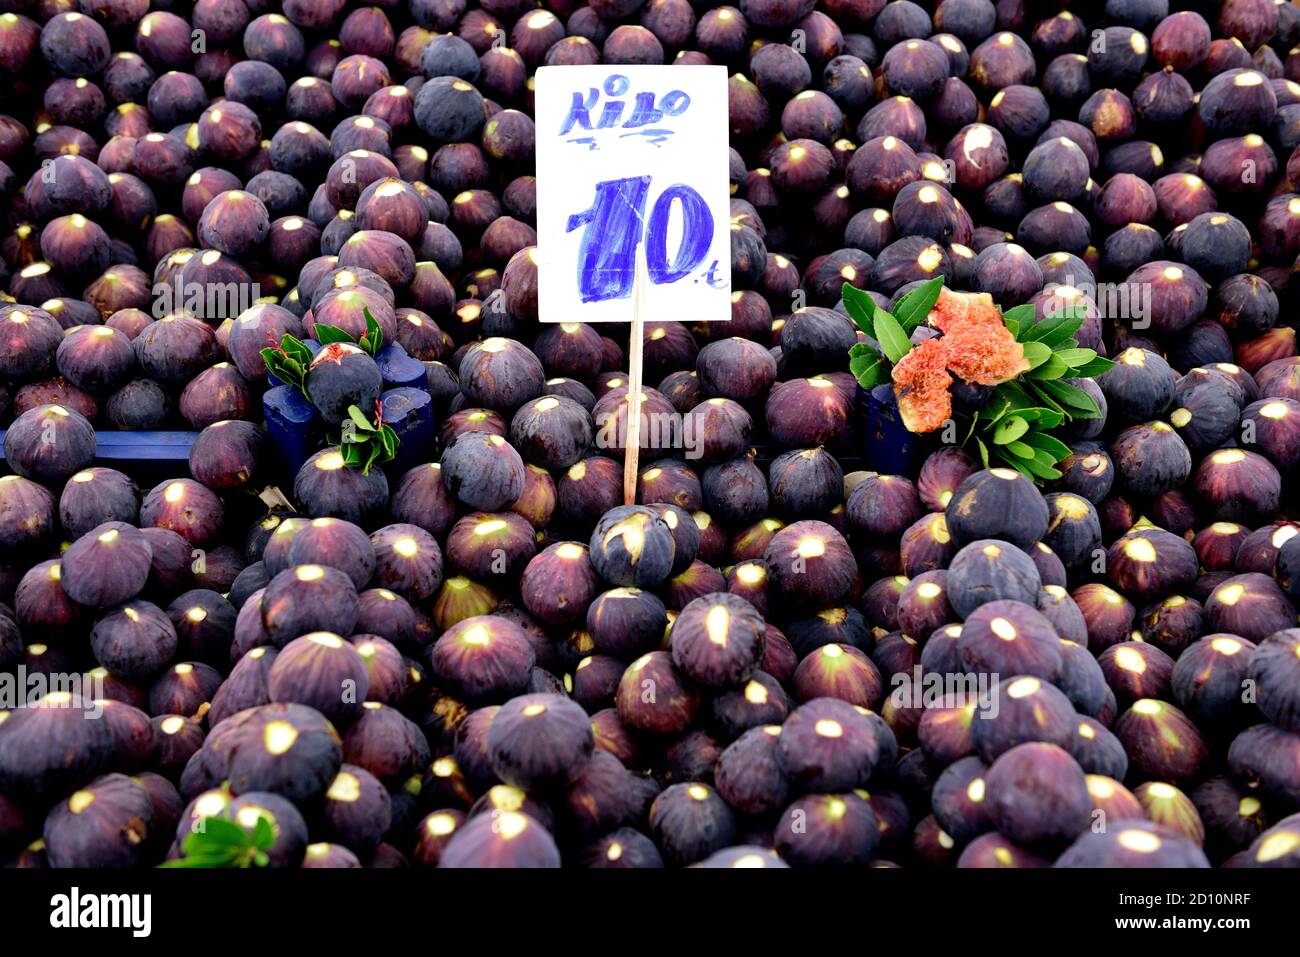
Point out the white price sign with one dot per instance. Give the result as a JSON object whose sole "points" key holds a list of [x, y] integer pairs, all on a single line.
{"points": [[632, 163]]}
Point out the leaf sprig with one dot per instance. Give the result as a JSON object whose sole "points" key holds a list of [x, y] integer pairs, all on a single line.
{"points": [[890, 334], [371, 342], [1013, 428], [219, 842], [363, 443], [290, 360]]}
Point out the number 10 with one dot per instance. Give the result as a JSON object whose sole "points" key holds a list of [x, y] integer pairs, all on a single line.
{"points": [[615, 223]]}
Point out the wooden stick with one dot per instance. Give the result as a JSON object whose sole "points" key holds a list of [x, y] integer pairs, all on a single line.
{"points": [[635, 352]]}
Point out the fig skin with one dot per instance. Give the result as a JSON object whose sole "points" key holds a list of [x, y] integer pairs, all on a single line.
{"points": [[287, 749], [105, 824], [1273, 668], [809, 564], [1038, 795], [538, 741], [108, 565], [748, 774], [49, 444], [305, 599], [990, 570], [717, 640], [135, 640], [632, 546], [1134, 844], [999, 504], [483, 472], [828, 745], [1163, 744], [675, 702], [511, 839], [690, 821], [323, 671], [1028, 710], [842, 830], [483, 658]]}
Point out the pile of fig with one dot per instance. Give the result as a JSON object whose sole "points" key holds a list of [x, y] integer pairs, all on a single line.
{"points": [[478, 654]]}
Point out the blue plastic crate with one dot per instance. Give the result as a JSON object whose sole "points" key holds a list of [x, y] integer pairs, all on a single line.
{"points": [[119, 449]]}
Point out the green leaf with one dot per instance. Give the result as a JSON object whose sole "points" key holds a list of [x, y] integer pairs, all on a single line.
{"points": [[1040, 469], [1020, 450], [1055, 329], [1012, 461], [1018, 393], [995, 409], [1023, 318], [1046, 398], [359, 419], [1050, 444], [223, 856], [1074, 401], [914, 308], [1047, 463], [1019, 397], [388, 439], [1010, 429], [861, 308], [1064, 334], [893, 340], [276, 368], [352, 454], [1053, 368], [871, 376], [1044, 418], [1032, 414], [984, 452], [288, 371], [1009, 398], [295, 349], [374, 337], [263, 834], [1076, 358], [1036, 353], [1097, 367], [374, 451], [209, 855], [326, 335], [866, 364]]}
